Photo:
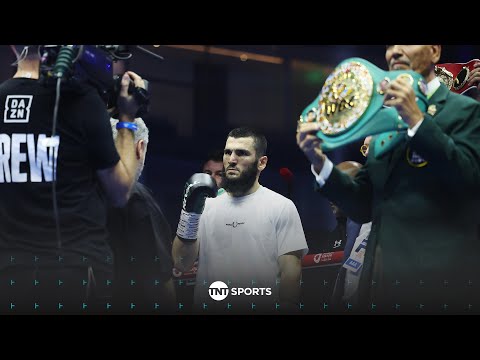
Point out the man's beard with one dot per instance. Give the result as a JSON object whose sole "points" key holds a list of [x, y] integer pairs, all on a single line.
{"points": [[240, 185]]}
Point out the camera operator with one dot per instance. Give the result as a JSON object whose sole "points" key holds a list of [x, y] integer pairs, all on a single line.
{"points": [[59, 261]]}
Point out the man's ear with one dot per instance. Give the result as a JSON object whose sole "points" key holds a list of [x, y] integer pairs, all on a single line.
{"points": [[436, 53], [140, 149], [262, 163]]}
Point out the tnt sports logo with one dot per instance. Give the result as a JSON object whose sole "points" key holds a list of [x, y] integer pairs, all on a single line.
{"points": [[219, 291], [17, 108]]}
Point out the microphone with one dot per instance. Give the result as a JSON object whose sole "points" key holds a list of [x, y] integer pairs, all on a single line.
{"points": [[287, 175]]}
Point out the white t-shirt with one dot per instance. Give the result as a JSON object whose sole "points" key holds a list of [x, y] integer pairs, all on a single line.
{"points": [[241, 239]]}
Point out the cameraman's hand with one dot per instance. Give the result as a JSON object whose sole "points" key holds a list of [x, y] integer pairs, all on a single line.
{"points": [[127, 106]]}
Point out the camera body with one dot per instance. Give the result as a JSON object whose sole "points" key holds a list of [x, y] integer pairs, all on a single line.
{"points": [[90, 64], [141, 96]]}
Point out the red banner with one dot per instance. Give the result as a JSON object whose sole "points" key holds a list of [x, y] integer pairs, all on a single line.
{"points": [[455, 75]]}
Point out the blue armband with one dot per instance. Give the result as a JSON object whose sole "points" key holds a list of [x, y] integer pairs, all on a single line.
{"points": [[127, 125]]}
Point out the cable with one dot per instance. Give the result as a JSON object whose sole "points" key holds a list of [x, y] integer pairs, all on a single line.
{"points": [[54, 166], [22, 56], [63, 65]]}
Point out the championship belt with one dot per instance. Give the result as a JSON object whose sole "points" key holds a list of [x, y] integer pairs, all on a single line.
{"points": [[455, 75], [350, 106]]}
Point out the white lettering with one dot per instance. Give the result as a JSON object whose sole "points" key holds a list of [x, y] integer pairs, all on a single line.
{"points": [[42, 157], [4, 158], [17, 109], [17, 158], [251, 291], [45, 144]]}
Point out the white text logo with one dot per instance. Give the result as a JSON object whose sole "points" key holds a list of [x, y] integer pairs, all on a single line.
{"points": [[218, 291], [17, 108]]}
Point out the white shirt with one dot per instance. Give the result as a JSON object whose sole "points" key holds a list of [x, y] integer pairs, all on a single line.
{"points": [[241, 239], [432, 86]]}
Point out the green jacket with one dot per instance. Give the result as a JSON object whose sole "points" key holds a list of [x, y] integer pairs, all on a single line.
{"points": [[424, 250]]}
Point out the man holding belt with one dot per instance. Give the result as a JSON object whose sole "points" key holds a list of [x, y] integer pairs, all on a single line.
{"points": [[422, 197]]}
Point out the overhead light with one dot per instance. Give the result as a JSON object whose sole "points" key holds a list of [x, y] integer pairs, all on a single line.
{"points": [[244, 56]]}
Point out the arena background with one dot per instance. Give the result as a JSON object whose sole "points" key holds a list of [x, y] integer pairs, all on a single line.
{"points": [[200, 92]]}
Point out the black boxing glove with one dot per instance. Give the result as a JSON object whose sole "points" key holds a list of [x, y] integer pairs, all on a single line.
{"points": [[197, 189]]}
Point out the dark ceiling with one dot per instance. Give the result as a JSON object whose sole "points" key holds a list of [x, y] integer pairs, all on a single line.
{"points": [[333, 54], [324, 54]]}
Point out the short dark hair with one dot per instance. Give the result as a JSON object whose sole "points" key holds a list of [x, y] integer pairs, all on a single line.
{"points": [[259, 140], [214, 155]]}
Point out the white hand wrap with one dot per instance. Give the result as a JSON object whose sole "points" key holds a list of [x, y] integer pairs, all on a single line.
{"points": [[188, 225]]}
